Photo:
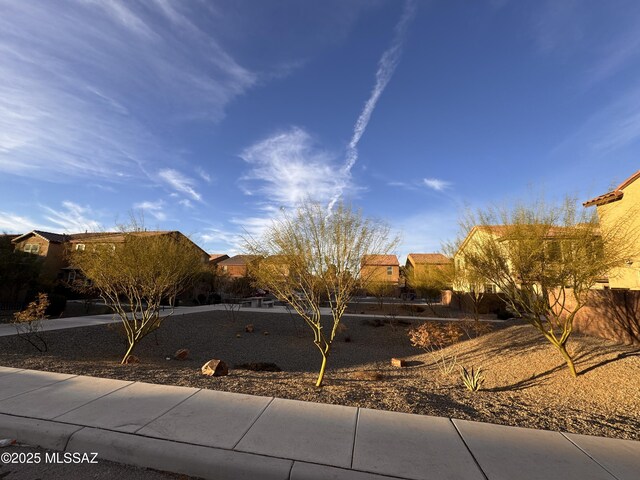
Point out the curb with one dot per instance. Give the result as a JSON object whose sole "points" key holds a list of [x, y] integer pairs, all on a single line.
{"points": [[166, 455]]}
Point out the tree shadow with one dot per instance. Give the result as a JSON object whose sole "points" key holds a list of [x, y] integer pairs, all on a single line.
{"points": [[607, 361], [532, 381]]}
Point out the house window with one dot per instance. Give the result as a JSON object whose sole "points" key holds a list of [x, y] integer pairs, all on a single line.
{"points": [[32, 248], [389, 270], [80, 247], [72, 276], [489, 288], [224, 268]]}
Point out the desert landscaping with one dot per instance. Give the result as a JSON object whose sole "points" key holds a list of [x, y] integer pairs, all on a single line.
{"points": [[526, 381]]}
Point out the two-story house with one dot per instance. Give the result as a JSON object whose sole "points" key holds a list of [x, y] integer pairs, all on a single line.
{"points": [[620, 208]]}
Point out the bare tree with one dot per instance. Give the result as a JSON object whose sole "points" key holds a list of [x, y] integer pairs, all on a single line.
{"points": [[538, 254], [137, 274], [314, 256]]}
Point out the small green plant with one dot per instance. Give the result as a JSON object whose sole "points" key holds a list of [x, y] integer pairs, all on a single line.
{"points": [[472, 379], [28, 322]]}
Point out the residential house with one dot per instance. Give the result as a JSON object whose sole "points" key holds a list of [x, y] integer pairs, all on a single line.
{"points": [[50, 247], [380, 269], [419, 263], [237, 266], [476, 236], [216, 258], [553, 236], [622, 204]]}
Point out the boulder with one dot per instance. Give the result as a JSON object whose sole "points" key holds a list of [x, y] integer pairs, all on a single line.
{"points": [[181, 354], [215, 368], [265, 333], [398, 362]]}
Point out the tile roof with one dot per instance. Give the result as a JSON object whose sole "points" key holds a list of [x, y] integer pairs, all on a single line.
{"points": [[49, 236], [238, 260], [615, 194], [428, 258], [218, 257], [380, 260]]}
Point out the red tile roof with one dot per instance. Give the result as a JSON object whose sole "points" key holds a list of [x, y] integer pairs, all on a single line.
{"points": [[613, 195], [428, 258], [386, 260]]}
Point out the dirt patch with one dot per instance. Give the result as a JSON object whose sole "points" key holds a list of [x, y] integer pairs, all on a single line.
{"points": [[526, 382]]}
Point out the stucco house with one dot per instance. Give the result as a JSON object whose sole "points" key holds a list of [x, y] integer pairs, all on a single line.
{"points": [[50, 247], [622, 204], [238, 265], [477, 235], [380, 268]]}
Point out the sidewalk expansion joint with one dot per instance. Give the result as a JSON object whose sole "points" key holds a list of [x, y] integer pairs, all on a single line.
{"points": [[355, 436], [253, 423], [475, 460], [587, 454], [167, 411], [91, 401]]}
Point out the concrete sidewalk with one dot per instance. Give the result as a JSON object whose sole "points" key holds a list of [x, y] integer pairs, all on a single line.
{"points": [[7, 329], [220, 435]]}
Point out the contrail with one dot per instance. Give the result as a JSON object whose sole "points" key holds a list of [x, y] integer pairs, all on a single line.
{"points": [[386, 66]]}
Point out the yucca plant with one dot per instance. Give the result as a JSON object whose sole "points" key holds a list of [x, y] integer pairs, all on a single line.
{"points": [[472, 379]]}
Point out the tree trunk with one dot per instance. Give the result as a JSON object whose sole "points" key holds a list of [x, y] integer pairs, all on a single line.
{"points": [[568, 359], [129, 350], [322, 369]]}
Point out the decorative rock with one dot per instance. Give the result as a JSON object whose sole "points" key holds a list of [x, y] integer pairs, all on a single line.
{"points": [[249, 328], [238, 335], [398, 362], [265, 333], [215, 368], [181, 354], [132, 359]]}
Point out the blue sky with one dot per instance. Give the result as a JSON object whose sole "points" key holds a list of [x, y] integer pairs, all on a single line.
{"points": [[211, 116]]}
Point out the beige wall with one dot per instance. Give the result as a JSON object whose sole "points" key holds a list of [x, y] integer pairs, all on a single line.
{"points": [[611, 215], [379, 273]]}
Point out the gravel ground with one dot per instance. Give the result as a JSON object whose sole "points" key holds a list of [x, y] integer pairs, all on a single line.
{"points": [[526, 382]]}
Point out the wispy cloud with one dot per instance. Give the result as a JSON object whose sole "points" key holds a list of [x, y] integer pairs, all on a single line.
{"points": [[613, 127], [72, 218], [13, 223], [436, 184], [84, 83], [156, 209], [180, 182], [203, 175], [288, 167], [386, 66]]}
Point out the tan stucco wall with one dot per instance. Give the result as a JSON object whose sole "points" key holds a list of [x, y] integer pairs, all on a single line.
{"points": [[378, 273], [625, 210]]}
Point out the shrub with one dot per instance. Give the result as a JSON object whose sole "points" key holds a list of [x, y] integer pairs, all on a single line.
{"points": [[433, 337], [28, 322]]}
